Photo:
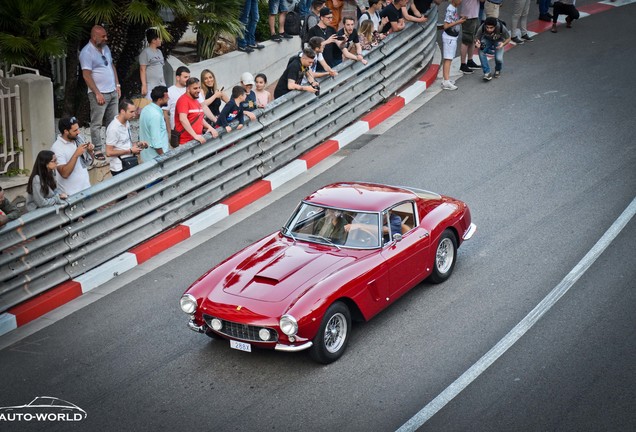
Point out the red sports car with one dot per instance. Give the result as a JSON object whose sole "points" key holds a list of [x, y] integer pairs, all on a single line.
{"points": [[348, 251]]}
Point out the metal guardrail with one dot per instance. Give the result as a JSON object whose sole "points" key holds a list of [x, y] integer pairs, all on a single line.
{"points": [[53, 245]]}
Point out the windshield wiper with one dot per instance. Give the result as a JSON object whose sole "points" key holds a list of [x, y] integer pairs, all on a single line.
{"points": [[288, 231], [325, 239]]}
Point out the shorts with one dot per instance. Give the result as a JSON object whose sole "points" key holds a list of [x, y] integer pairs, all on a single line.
{"points": [[469, 29], [276, 6], [449, 46]]}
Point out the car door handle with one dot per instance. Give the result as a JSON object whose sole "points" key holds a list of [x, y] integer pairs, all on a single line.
{"points": [[424, 235]]}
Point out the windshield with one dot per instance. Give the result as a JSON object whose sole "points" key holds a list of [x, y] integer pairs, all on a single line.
{"points": [[338, 227]]}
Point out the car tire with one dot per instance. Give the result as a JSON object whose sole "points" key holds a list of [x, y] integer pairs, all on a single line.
{"points": [[445, 257], [331, 341]]}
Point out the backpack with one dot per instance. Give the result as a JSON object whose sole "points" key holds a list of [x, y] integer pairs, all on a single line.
{"points": [[292, 23], [304, 30]]}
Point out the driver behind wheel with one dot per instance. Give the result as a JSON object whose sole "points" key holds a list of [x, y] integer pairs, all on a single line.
{"points": [[331, 226], [394, 226]]}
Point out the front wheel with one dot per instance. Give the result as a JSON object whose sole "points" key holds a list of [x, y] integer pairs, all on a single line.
{"points": [[445, 257], [331, 341]]}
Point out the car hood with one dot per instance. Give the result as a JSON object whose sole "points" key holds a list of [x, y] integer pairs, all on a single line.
{"points": [[279, 268]]}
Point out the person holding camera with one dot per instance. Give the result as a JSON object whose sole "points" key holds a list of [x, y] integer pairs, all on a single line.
{"points": [[119, 146], [327, 33], [74, 156], [491, 38], [348, 43], [297, 69]]}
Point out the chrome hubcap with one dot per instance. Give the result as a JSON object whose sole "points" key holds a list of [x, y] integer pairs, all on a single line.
{"points": [[445, 256], [335, 333]]}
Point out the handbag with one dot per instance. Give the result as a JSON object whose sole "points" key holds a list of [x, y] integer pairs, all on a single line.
{"points": [[128, 162], [174, 138]]}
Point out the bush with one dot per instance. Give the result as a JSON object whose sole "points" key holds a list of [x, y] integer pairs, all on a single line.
{"points": [[262, 28]]}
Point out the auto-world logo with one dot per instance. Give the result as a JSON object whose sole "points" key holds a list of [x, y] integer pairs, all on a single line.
{"points": [[43, 409]]}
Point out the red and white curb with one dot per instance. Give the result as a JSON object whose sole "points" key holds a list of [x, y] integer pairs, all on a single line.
{"points": [[53, 298]]}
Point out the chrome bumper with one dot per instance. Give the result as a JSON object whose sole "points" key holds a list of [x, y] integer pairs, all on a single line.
{"points": [[279, 347], [294, 348], [199, 329], [470, 231]]}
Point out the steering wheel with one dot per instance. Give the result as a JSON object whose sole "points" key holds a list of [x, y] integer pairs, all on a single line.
{"points": [[361, 237]]}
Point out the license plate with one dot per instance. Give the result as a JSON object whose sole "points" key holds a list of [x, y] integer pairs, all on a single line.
{"points": [[241, 346]]}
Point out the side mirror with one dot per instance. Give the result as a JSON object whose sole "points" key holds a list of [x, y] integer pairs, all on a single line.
{"points": [[397, 237]]}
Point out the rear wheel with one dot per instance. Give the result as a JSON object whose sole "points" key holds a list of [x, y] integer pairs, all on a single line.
{"points": [[445, 257], [331, 341]]}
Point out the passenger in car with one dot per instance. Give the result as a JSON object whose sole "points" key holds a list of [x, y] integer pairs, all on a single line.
{"points": [[331, 226], [395, 226]]}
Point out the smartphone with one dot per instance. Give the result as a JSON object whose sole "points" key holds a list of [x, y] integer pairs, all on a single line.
{"points": [[341, 38], [222, 88]]}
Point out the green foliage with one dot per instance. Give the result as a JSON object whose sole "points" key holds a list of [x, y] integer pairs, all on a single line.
{"points": [[214, 18], [262, 27], [32, 31], [14, 172]]}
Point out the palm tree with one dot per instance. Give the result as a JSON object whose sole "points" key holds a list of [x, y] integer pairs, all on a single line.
{"points": [[215, 18], [33, 31]]}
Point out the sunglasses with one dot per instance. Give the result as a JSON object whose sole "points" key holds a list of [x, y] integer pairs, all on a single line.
{"points": [[105, 60]]}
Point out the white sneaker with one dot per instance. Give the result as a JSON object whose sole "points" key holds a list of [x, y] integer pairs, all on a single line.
{"points": [[448, 85]]}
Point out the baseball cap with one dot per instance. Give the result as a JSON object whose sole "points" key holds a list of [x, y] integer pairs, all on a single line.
{"points": [[325, 11], [247, 78]]}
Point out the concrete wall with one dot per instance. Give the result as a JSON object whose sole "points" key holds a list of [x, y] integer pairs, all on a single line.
{"points": [[36, 99], [272, 61]]}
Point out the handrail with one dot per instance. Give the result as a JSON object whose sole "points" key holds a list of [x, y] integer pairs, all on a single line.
{"points": [[55, 244]]}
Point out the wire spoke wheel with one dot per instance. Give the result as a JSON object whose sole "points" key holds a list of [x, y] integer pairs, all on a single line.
{"points": [[445, 257], [335, 333], [331, 340]]}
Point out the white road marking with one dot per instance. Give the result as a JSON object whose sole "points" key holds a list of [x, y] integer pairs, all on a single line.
{"points": [[524, 325]]}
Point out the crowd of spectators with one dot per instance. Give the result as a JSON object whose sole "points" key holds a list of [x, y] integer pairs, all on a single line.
{"points": [[191, 107]]}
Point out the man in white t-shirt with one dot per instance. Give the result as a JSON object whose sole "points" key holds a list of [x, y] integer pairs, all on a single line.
{"points": [[101, 78], [74, 156], [118, 139]]}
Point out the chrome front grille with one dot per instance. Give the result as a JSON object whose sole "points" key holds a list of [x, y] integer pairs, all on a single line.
{"points": [[242, 331]]}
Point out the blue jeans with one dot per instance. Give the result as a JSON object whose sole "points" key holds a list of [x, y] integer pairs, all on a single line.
{"points": [[488, 47], [544, 7], [249, 17], [303, 7]]}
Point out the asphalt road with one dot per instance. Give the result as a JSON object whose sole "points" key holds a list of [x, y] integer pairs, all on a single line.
{"points": [[545, 157]]}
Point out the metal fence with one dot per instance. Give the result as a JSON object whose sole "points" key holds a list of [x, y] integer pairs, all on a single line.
{"points": [[52, 245], [10, 130]]}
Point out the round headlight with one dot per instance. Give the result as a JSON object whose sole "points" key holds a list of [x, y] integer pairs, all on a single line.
{"points": [[288, 325], [216, 324], [264, 334], [188, 304]]}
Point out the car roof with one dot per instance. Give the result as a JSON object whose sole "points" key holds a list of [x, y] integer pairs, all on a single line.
{"points": [[360, 196]]}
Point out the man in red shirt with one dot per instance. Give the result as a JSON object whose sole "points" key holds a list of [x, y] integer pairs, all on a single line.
{"points": [[189, 119]]}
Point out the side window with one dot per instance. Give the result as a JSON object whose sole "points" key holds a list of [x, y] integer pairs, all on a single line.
{"points": [[398, 220], [406, 212]]}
